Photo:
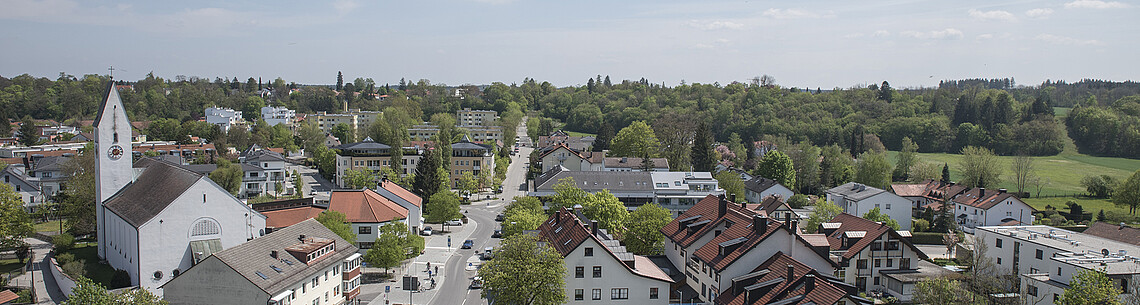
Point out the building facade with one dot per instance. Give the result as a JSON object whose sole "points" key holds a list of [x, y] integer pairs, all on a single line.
{"points": [[370, 155], [356, 119], [759, 188], [278, 115], [979, 207], [858, 199], [223, 117], [467, 156]]}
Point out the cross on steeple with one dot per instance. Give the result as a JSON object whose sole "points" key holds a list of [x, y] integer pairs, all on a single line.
{"points": [[112, 74]]}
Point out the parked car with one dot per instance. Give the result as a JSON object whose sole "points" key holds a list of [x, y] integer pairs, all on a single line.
{"points": [[476, 282], [497, 234], [467, 244], [454, 222], [488, 253], [426, 231], [499, 217]]}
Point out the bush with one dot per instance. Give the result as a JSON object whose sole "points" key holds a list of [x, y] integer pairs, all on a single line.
{"points": [[64, 258], [75, 268], [120, 279], [798, 201], [927, 238], [921, 225], [63, 242]]}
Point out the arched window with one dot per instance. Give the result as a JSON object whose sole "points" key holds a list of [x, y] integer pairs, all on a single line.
{"points": [[205, 227]]}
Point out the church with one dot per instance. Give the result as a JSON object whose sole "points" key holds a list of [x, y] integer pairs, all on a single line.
{"points": [[156, 219]]}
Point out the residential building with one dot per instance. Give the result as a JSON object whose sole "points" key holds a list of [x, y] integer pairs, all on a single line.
{"points": [[874, 257], [369, 154], [784, 280], [623, 164], [561, 137], [263, 172], [598, 267], [367, 211], [1118, 232], [423, 132], [274, 116], [563, 155], [467, 156], [48, 175], [158, 219], [979, 207], [858, 199], [406, 199], [759, 188], [466, 118], [676, 191], [305, 263], [717, 241], [280, 214], [29, 191], [1045, 259], [223, 117], [357, 120], [775, 206], [484, 134], [930, 193]]}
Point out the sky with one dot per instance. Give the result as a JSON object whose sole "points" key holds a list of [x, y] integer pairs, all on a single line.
{"points": [[806, 44]]}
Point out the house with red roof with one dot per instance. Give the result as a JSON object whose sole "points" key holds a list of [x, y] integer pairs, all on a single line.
{"points": [[598, 268], [979, 207], [717, 240], [858, 199], [367, 211], [875, 258], [784, 280], [927, 193]]}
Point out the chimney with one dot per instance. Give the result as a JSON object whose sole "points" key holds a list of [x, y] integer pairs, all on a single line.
{"points": [[594, 227], [578, 212], [273, 254], [302, 238], [809, 283], [981, 192], [723, 208], [788, 220], [759, 224], [791, 273], [732, 197], [1002, 191], [558, 216]]}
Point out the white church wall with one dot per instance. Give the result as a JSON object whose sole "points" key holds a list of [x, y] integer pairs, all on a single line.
{"points": [[112, 134], [122, 245]]}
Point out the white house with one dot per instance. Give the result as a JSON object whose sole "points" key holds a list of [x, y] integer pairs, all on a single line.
{"points": [[29, 191], [857, 199], [305, 263], [164, 219], [405, 198], [571, 159], [278, 115], [874, 257], [676, 191], [262, 171], [47, 173], [1045, 259], [223, 117], [758, 188], [367, 211], [598, 268], [979, 207]]}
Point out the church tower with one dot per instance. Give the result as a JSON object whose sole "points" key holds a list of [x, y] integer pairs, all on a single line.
{"points": [[113, 153]]}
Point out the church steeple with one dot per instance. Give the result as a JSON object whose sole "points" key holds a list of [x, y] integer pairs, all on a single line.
{"points": [[113, 158]]}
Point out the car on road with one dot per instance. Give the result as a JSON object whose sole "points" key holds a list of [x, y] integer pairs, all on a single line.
{"points": [[499, 217], [497, 234], [476, 282], [488, 253], [426, 231], [454, 222], [467, 244]]}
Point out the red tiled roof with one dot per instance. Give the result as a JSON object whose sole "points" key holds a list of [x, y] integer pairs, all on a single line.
{"points": [[824, 291], [402, 192], [1121, 233], [706, 209], [365, 206], [291, 216], [564, 232], [12, 160], [873, 231], [982, 198], [931, 189], [772, 203], [7, 296], [741, 228]]}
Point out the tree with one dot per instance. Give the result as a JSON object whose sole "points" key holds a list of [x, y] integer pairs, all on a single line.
{"points": [[393, 244], [798, 201], [298, 184], [524, 272], [1090, 287], [1128, 193], [805, 158], [468, 184], [873, 169], [344, 133], [636, 140], [777, 166], [877, 216], [731, 183], [361, 178], [339, 81], [337, 223], [325, 159], [908, 156], [642, 234], [1022, 167], [78, 195], [15, 224], [607, 210], [426, 182], [702, 154], [824, 211], [28, 134], [979, 167], [228, 176], [1099, 186], [522, 220], [945, 173], [602, 140], [837, 167], [885, 92], [524, 204], [939, 291], [567, 195], [87, 292], [442, 206], [923, 171]]}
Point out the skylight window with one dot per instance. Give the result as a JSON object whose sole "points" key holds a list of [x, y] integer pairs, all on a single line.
{"points": [[276, 269], [559, 229], [287, 262], [262, 275]]}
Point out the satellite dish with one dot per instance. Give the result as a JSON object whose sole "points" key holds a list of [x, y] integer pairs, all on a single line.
{"points": [[1104, 252]]}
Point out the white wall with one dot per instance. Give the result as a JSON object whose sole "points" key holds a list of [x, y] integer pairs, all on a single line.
{"points": [[777, 189], [64, 282], [614, 275], [851, 272]]}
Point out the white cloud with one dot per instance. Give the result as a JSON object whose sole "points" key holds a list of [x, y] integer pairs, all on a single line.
{"points": [[992, 15], [854, 35], [1040, 13], [984, 37], [947, 34], [792, 13], [345, 6], [1095, 4], [882, 33], [1054, 39], [715, 25]]}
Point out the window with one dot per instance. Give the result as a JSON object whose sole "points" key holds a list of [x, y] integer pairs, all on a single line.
{"points": [[619, 293], [1031, 290], [364, 230], [861, 264], [589, 251], [579, 294], [876, 280], [597, 271], [1040, 254], [998, 243], [653, 293], [596, 294], [316, 281], [579, 272], [890, 262], [999, 261], [878, 263], [888, 206], [1058, 271]]}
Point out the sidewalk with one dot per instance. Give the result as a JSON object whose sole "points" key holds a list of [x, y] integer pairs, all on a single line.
{"points": [[436, 252], [46, 290]]}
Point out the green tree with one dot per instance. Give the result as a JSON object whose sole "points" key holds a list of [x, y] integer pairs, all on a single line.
{"points": [[837, 167], [798, 201], [1099, 186], [1022, 167], [702, 154], [922, 171], [78, 194], [15, 224], [642, 234], [344, 133], [393, 244], [939, 291], [1091, 287], [442, 206], [979, 167], [524, 203], [731, 183], [309, 136], [805, 157], [873, 169], [337, 223], [468, 184], [877, 216], [636, 140], [28, 134], [426, 181], [604, 137], [87, 292], [298, 184], [907, 158], [359, 178], [607, 210], [824, 211], [522, 220], [1128, 193], [325, 159], [945, 173], [228, 176], [524, 272], [777, 166], [567, 195]]}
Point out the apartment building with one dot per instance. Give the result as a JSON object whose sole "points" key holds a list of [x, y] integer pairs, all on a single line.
{"points": [[263, 171], [467, 156], [784, 280], [305, 263], [466, 118], [676, 191], [564, 155], [858, 199], [873, 257], [979, 207], [369, 154], [356, 119], [278, 115], [223, 117]]}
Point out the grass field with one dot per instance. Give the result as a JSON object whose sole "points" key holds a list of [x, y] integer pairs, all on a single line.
{"points": [[50, 226], [99, 273], [9, 265], [579, 134]]}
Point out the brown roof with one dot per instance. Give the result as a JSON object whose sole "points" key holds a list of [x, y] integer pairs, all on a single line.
{"points": [[1121, 232], [7, 296], [705, 211], [12, 160], [623, 162], [771, 204], [401, 192], [873, 230], [365, 206], [564, 232], [982, 198], [741, 231], [826, 290], [191, 147], [290, 216], [932, 189]]}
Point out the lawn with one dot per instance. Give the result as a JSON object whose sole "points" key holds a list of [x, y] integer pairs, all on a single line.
{"points": [[579, 134], [9, 265], [50, 226], [1063, 173], [99, 273]]}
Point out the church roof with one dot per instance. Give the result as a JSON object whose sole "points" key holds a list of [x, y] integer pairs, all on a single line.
{"points": [[106, 97], [155, 189]]}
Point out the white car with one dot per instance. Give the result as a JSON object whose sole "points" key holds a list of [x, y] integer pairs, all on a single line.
{"points": [[454, 222], [426, 231]]}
